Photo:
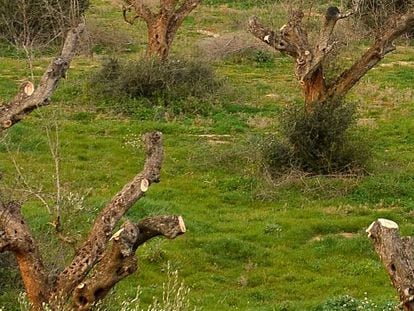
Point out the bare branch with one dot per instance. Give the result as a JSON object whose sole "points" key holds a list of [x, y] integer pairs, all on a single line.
{"points": [[94, 247], [125, 11], [141, 10], [324, 44], [383, 46], [27, 101]]}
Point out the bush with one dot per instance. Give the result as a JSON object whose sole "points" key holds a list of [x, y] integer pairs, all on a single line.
{"points": [[156, 83], [36, 21], [317, 142]]}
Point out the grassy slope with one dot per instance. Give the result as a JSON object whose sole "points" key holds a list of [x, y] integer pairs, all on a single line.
{"points": [[249, 246]]}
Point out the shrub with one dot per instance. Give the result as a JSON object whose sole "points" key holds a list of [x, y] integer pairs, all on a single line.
{"points": [[156, 83], [317, 142], [24, 22]]}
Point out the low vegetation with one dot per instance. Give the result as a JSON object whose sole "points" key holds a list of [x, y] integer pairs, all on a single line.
{"points": [[251, 244], [186, 86], [319, 142]]}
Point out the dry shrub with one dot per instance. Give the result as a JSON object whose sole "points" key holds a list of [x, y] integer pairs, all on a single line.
{"points": [[184, 86], [377, 15]]}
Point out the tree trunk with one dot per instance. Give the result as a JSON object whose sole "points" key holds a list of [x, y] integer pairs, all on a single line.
{"points": [[397, 255], [163, 25], [159, 40], [314, 88], [292, 39]]}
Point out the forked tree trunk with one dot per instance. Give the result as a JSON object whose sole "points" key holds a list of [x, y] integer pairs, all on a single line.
{"points": [[292, 39], [397, 255], [163, 25], [110, 256]]}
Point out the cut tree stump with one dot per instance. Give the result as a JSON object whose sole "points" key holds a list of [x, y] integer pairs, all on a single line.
{"points": [[397, 255]]}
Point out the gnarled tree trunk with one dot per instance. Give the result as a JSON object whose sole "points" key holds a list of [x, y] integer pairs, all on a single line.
{"points": [[293, 40], [110, 255], [163, 25]]}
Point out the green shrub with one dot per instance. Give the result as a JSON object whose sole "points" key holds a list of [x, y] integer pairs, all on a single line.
{"points": [[36, 21], [317, 142], [188, 84]]}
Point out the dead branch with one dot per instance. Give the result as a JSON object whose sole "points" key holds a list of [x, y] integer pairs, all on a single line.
{"points": [[30, 98], [397, 255]]}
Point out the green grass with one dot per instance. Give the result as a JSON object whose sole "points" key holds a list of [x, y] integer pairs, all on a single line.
{"points": [[250, 245]]}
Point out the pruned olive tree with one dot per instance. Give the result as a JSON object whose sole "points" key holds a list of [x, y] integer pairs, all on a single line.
{"points": [[293, 39], [162, 25], [106, 256]]}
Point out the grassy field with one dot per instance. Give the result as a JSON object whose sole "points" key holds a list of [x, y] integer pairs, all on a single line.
{"points": [[251, 244]]}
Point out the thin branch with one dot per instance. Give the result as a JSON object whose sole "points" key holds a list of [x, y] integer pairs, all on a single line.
{"points": [[25, 102], [141, 10]]}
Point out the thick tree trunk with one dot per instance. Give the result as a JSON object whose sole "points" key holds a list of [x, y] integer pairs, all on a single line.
{"points": [[292, 39], [397, 255], [314, 88], [119, 261], [159, 40], [162, 26], [15, 237]]}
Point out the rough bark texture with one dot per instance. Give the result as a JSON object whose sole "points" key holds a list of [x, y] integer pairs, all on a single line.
{"points": [[111, 263], [15, 237], [163, 25], [292, 39], [119, 260], [397, 255], [93, 248], [29, 98]]}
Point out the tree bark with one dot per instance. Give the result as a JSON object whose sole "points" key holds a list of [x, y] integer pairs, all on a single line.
{"points": [[15, 237], [93, 248], [163, 25], [292, 39], [397, 255], [112, 264], [30, 98], [119, 260]]}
